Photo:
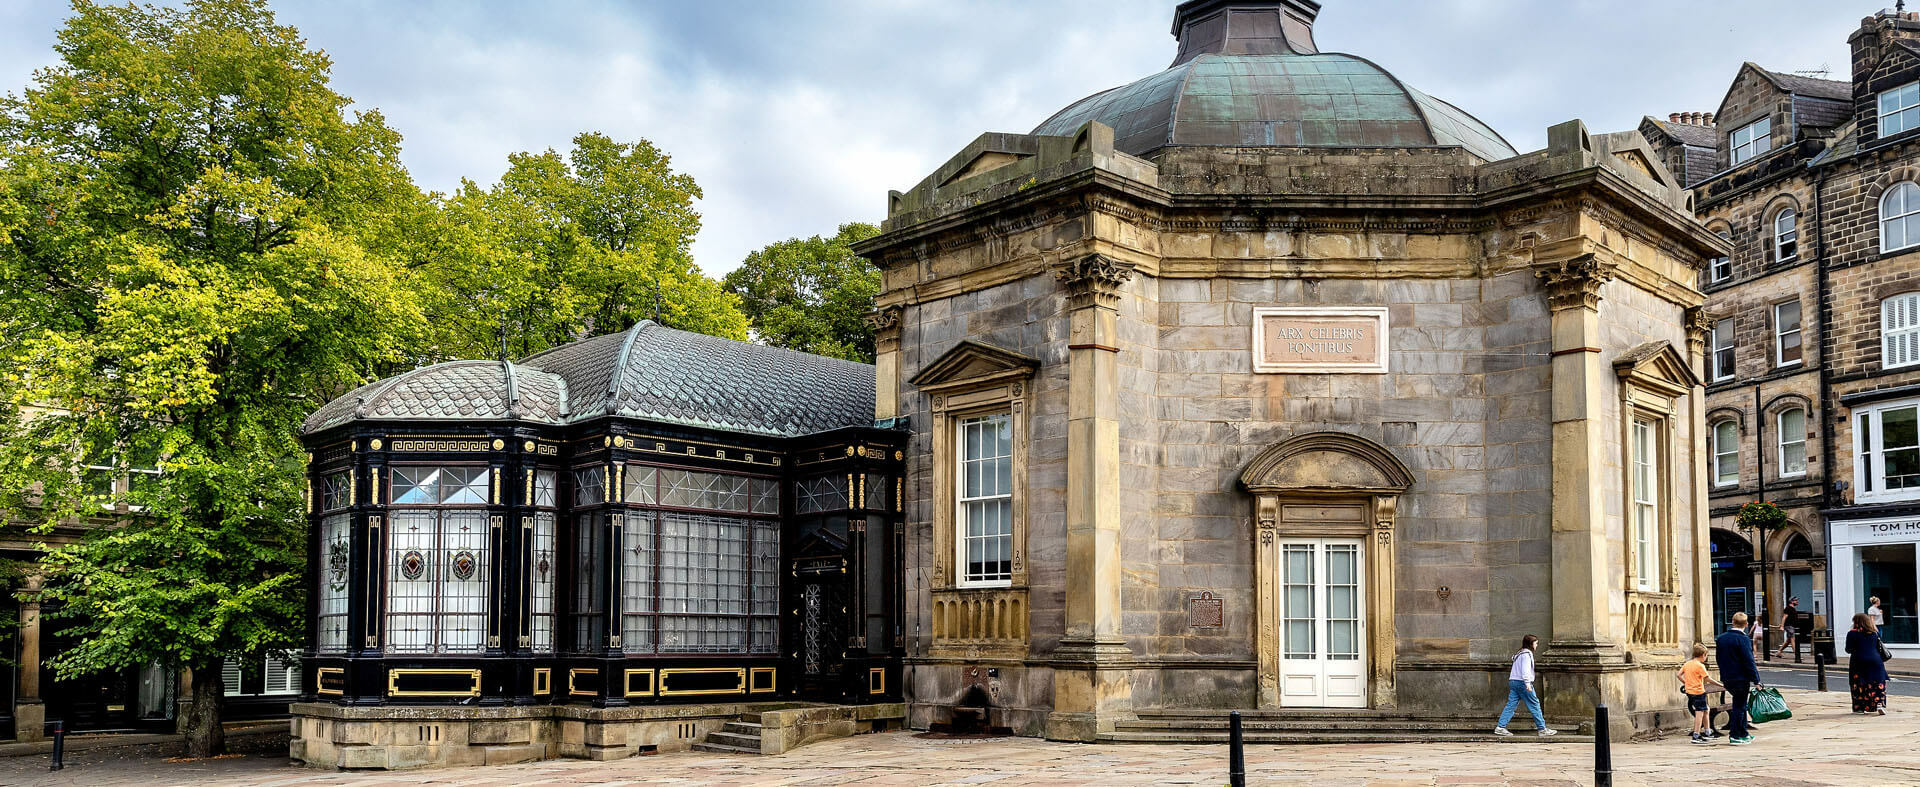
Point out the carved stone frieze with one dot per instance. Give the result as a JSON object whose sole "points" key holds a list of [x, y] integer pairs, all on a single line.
{"points": [[885, 318], [1575, 283]]}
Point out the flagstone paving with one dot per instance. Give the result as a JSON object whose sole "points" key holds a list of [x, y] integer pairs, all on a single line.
{"points": [[1822, 745]]}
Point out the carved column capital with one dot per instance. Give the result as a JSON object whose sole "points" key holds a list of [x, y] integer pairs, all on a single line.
{"points": [[1094, 280], [1699, 326], [1575, 283], [885, 318]]}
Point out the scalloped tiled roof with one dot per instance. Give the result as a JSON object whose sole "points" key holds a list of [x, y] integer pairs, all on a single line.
{"points": [[649, 371]]}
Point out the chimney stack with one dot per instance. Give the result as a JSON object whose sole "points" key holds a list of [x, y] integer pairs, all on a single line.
{"points": [[1673, 117]]}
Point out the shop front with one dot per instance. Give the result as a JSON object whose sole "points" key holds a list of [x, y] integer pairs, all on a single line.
{"points": [[1875, 558]]}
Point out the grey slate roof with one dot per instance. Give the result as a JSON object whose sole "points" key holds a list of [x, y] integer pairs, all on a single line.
{"points": [[649, 371], [452, 391], [1689, 134], [1317, 100], [1809, 86]]}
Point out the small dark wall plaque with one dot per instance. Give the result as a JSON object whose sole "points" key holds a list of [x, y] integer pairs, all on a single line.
{"points": [[1206, 612]]}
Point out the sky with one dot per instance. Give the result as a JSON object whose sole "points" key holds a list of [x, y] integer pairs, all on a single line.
{"points": [[797, 116]]}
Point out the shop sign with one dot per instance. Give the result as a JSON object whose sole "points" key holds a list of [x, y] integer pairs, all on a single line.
{"points": [[1885, 530], [1320, 340]]}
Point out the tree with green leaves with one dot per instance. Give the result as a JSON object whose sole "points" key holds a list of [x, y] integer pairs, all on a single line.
{"points": [[811, 294], [563, 248], [199, 244]]}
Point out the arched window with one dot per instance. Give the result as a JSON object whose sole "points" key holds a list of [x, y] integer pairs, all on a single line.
{"points": [[1786, 235], [1797, 548], [1726, 453], [1900, 329], [1793, 442], [1900, 217]]}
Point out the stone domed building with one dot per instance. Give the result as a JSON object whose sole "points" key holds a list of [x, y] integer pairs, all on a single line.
{"points": [[1269, 382]]}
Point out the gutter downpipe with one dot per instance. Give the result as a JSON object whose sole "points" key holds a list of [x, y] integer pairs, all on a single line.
{"points": [[1827, 496]]}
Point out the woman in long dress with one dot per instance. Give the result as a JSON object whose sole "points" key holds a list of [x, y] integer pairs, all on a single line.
{"points": [[1866, 670]]}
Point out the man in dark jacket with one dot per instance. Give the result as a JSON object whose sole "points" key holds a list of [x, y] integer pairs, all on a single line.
{"points": [[1739, 674]]}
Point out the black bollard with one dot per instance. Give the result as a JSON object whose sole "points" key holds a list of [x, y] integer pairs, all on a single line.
{"points": [[1602, 749], [1819, 670], [1236, 757], [59, 746]]}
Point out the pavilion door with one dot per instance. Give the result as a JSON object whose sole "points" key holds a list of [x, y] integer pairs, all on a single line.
{"points": [[1323, 659]]}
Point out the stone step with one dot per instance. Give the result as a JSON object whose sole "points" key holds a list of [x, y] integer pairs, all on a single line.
{"points": [[735, 739], [743, 728], [1338, 736], [720, 748], [1430, 725], [1301, 713]]}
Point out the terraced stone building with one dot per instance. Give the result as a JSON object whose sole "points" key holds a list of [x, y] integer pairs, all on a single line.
{"points": [[1270, 382]]}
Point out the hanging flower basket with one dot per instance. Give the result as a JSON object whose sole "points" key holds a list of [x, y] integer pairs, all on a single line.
{"points": [[1762, 515]]}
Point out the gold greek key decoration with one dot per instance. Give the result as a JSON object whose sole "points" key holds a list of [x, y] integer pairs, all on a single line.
{"points": [[667, 675], [395, 675], [320, 677], [638, 683], [374, 444], [762, 680], [720, 453], [547, 449], [444, 444], [542, 681]]}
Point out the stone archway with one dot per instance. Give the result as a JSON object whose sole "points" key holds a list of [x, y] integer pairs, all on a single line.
{"points": [[1327, 485]]}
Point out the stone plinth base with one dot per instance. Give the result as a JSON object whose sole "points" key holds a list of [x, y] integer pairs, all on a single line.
{"points": [[29, 721], [402, 736]]}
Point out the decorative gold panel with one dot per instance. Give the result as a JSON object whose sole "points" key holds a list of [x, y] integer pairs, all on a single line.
{"points": [[320, 676], [740, 675], [762, 680], [394, 676], [645, 678], [573, 675], [877, 680], [543, 681]]}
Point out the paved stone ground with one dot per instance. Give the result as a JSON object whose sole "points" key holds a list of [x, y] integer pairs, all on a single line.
{"points": [[1822, 745]]}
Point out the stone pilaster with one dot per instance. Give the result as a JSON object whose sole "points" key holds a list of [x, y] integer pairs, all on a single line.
{"points": [[1090, 688], [29, 713], [885, 322], [1699, 328], [1582, 572]]}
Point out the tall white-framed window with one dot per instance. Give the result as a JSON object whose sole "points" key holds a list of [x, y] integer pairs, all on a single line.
{"points": [[1726, 453], [1900, 217], [1886, 444], [1900, 331], [1792, 429], [1723, 349], [1900, 109], [1750, 140], [437, 560], [1786, 333], [1720, 269], [984, 495], [1786, 235], [1646, 502]]}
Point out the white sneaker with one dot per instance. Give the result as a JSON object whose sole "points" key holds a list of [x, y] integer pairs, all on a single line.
{"points": [[1501, 731], [1546, 731]]}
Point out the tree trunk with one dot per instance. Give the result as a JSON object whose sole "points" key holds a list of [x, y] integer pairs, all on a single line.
{"points": [[205, 736]]}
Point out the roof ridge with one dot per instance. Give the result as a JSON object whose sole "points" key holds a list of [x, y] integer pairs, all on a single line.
{"points": [[620, 364]]}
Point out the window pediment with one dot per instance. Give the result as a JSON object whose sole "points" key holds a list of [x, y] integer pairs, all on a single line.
{"points": [[1326, 461], [973, 364], [1656, 367]]}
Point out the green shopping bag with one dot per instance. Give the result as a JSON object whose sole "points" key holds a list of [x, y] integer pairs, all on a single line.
{"points": [[1766, 705]]}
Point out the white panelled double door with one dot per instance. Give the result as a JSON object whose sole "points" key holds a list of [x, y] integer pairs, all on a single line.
{"points": [[1323, 659]]}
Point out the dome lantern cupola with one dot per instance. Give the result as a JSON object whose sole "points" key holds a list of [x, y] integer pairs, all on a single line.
{"points": [[1244, 27]]}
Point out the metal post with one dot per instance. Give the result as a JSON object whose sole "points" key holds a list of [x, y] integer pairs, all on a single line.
{"points": [[1236, 757], [1819, 669], [59, 746], [1602, 749]]}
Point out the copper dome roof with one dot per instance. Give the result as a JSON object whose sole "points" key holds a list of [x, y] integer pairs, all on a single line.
{"points": [[1248, 74]]}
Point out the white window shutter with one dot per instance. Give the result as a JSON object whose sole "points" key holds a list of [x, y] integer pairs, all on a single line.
{"points": [[230, 672]]}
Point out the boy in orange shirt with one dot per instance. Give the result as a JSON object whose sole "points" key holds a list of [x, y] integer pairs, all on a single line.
{"points": [[1693, 681]]}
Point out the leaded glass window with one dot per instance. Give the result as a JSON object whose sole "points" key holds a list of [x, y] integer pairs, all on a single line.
{"points": [[675, 488], [636, 595], [589, 583], [437, 583], [826, 493], [718, 584], [545, 563], [876, 492], [336, 551], [589, 486], [447, 486], [335, 491]]}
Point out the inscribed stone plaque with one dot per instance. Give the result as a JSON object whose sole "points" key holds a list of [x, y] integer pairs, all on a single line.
{"points": [[1206, 612], [1320, 339]]}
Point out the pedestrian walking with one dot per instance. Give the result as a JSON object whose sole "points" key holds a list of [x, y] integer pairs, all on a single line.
{"points": [[1520, 689], [1739, 674], [1789, 617], [1866, 667], [1874, 613], [1693, 683]]}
